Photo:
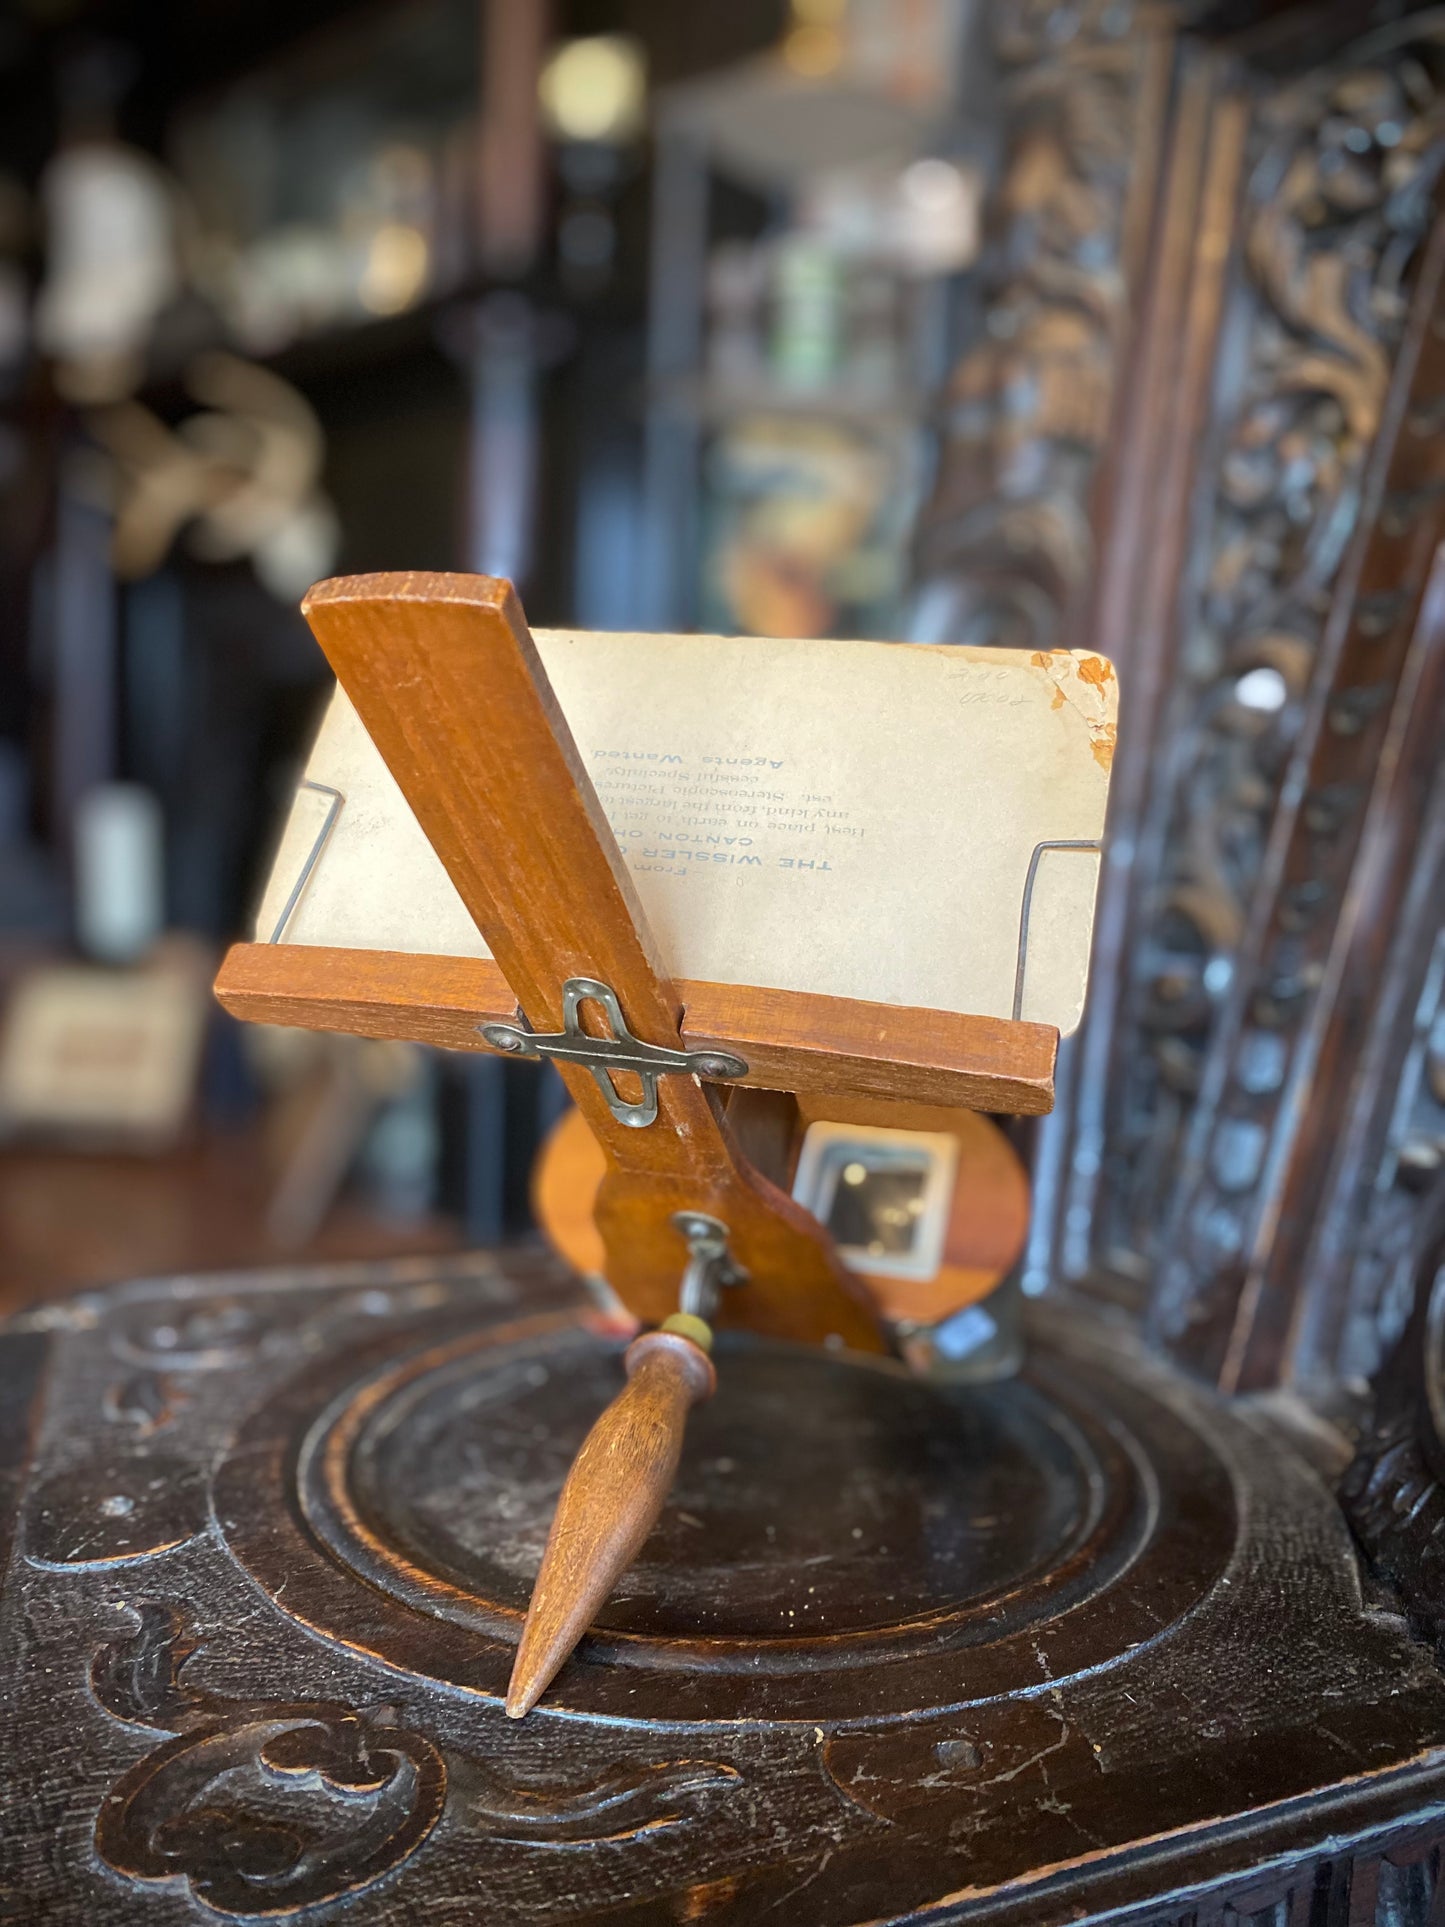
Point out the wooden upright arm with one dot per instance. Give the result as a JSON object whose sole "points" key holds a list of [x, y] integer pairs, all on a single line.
{"points": [[447, 681]]}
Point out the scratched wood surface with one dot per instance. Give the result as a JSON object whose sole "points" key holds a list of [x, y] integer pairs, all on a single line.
{"points": [[1084, 1645]]}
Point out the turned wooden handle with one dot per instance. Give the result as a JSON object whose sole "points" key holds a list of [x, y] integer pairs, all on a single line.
{"points": [[611, 1500]]}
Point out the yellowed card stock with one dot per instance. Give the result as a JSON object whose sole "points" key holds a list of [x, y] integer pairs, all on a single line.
{"points": [[857, 819]]}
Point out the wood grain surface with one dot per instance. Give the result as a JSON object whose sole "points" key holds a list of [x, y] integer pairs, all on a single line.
{"points": [[612, 1499], [791, 1041], [432, 663], [987, 1222]]}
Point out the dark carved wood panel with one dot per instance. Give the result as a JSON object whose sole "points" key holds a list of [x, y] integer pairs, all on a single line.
{"points": [[1319, 923], [1007, 549], [1392, 1149], [1085, 1646], [1145, 507], [1341, 171], [1369, 1129]]}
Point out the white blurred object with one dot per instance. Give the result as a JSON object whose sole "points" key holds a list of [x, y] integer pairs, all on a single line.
{"points": [[111, 266], [923, 217], [394, 276], [299, 551], [295, 279], [595, 89], [119, 872], [264, 435], [908, 52], [392, 216], [937, 223], [1263, 689], [245, 475]]}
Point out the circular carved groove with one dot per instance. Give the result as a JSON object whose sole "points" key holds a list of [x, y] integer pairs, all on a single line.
{"points": [[842, 1542]]}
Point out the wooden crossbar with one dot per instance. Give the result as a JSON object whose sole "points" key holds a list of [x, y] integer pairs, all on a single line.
{"points": [[790, 1040]]}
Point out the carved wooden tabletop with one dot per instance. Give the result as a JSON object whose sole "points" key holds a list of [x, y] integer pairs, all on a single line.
{"points": [[1026, 1653]]}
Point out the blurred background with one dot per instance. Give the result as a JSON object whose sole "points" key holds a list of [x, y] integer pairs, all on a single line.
{"points": [[650, 307]]}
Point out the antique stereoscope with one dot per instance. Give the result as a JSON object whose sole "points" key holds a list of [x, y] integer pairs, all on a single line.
{"points": [[705, 895], [1129, 1609]]}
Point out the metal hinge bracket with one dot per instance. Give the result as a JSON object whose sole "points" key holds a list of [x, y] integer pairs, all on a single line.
{"points": [[618, 1051]]}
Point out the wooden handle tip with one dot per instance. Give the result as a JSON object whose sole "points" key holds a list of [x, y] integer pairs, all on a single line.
{"points": [[609, 1503]]}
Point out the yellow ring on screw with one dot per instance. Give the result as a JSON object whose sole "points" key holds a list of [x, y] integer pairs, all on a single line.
{"points": [[686, 1326]]}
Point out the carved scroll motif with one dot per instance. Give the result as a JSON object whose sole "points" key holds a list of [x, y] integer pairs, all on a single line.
{"points": [[1329, 911], [621, 1805], [1341, 184], [274, 1807], [262, 1808], [1006, 548]]}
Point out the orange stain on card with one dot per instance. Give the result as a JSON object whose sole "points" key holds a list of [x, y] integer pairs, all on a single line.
{"points": [[1095, 670]]}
